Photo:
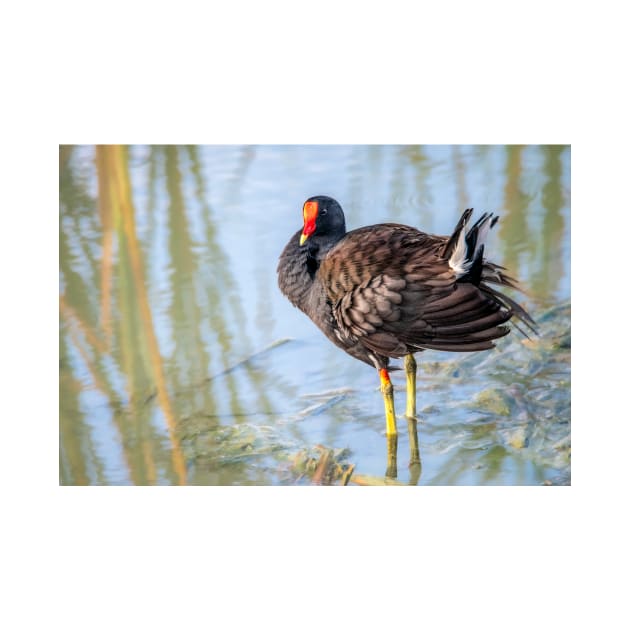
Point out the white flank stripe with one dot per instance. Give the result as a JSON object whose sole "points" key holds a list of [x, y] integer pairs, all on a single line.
{"points": [[457, 261]]}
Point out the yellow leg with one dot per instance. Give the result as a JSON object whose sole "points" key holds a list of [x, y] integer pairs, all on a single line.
{"points": [[387, 389], [410, 370], [412, 421]]}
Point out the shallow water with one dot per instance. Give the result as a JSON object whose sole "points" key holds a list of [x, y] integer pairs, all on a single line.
{"points": [[181, 362]]}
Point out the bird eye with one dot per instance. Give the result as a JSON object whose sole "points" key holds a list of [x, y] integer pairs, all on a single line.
{"points": [[324, 211]]}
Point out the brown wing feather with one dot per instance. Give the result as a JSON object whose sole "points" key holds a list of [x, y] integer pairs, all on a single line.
{"points": [[391, 288]]}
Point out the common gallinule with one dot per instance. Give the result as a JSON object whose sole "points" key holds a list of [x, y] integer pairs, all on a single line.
{"points": [[388, 291]]}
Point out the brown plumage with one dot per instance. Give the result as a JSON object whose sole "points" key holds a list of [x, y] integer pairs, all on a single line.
{"points": [[388, 290]]}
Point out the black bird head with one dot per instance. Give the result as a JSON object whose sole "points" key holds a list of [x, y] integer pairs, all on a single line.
{"points": [[323, 216]]}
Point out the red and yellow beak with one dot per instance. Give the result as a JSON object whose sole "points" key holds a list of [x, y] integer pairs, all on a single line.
{"points": [[310, 214]]}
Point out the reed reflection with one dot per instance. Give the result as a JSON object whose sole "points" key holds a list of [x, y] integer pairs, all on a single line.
{"points": [[551, 269], [109, 302]]}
